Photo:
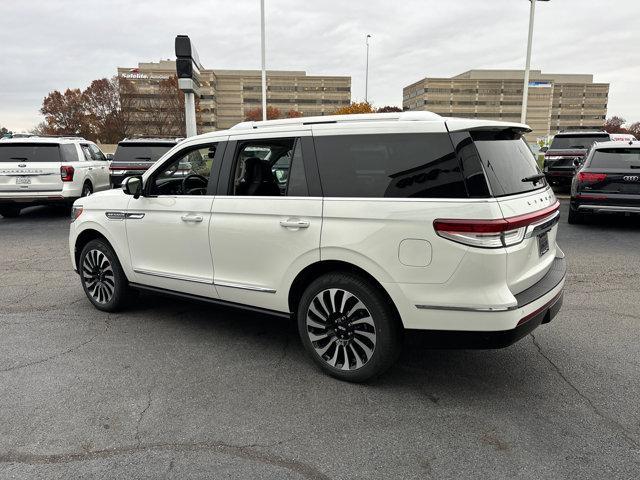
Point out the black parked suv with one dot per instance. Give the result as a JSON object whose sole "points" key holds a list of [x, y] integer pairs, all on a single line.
{"points": [[608, 182], [135, 156], [566, 148]]}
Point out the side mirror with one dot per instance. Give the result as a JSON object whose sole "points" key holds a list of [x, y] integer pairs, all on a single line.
{"points": [[544, 149], [109, 156], [577, 162], [132, 186]]}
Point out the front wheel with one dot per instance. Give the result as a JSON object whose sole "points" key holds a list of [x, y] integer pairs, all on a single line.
{"points": [[103, 280], [348, 327]]}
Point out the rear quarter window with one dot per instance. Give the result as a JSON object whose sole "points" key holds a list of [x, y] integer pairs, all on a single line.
{"points": [[507, 160], [29, 152], [147, 152], [616, 158], [389, 165]]}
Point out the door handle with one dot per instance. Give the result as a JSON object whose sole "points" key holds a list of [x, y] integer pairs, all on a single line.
{"points": [[90, 168], [294, 223], [191, 218]]}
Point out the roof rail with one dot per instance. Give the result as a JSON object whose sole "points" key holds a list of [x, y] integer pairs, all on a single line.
{"points": [[366, 117]]}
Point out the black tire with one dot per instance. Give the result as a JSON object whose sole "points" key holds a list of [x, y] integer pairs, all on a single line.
{"points": [[104, 283], [87, 189], [575, 218], [10, 211], [347, 330]]}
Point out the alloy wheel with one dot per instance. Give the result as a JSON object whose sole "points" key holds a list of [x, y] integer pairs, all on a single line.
{"points": [[341, 329], [98, 276]]}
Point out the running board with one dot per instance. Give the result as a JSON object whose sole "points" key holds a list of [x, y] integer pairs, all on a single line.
{"points": [[215, 301]]}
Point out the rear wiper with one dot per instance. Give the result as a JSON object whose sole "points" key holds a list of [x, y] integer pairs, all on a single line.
{"points": [[143, 158], [24, 159], [534, 178]]}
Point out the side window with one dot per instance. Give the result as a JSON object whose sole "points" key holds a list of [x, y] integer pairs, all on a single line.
{"points": [[404, 165], [69, 152], [186, 174], [86, 152], [297, 178], [263, 167], [96, 154]]}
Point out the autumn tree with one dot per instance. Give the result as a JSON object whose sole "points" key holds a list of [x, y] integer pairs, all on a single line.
{"points": [[107, 119], [3, 131], [354, 108], [615, 125], [65, 114], [293, 114], [388, 109], [255, 114], [634, 130]]}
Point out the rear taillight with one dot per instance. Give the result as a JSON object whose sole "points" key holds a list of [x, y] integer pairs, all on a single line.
{"points": [[493, 233], [66, 173], [586, 177]]}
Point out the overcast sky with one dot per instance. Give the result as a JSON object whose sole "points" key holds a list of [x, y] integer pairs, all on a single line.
{"points": [[47, 45]]}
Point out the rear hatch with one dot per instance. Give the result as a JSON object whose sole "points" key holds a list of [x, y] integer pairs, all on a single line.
{"points": [[133, 158], [612, 171], [30, 167], [526, 201], [567, 147]]}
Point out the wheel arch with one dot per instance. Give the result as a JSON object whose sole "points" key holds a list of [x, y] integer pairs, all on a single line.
{"points": [[85, 237], [314, 270]]}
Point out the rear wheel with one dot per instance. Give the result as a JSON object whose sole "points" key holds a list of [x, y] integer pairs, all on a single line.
{"points": [[348, 327], [575, 217], [10, 211], [103, 280], [87, 190]]}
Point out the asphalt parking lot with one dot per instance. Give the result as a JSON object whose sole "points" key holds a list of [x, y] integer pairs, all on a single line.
{"points": [[171, 389]]}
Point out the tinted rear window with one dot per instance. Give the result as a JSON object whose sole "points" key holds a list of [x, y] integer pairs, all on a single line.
{"points": [[148, 152], [29, 152], [390, 165], [506, 159], [579, 142], [622, 158]]}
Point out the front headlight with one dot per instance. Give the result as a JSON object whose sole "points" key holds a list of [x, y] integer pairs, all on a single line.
{"points": [[76, 211]]}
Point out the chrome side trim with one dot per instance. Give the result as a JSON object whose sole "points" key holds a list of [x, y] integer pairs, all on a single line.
{"points": [[610, 208], [114, 215], [173, 276], [243, 286], [467, 309]]}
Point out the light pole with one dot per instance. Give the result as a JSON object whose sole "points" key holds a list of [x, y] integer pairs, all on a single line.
{"points": [[264, 72], [366, 75], [525, 89]]}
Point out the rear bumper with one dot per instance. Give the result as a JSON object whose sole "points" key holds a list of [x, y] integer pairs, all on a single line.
{"points": [[492, 325], [605, 203], [35, 198]]}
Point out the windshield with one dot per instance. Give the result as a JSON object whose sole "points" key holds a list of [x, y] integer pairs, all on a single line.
{"points": [[579, 142], [145, 152], [507, 161], [29, 152], [622, 158]]}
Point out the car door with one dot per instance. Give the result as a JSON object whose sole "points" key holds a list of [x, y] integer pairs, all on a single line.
{"points": [[266, 218], [168, 226], [100, 169], [89, 167]]}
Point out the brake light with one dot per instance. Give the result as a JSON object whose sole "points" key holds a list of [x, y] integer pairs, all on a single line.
{"points": [[586, 177], [66, 173], [492, 233]]}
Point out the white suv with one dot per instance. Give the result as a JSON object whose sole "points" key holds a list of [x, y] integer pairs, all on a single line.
{"points": [[358, 226], [49, 170]]}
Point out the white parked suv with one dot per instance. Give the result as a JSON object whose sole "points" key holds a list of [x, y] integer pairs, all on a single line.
{"points": [[358, 226], [49, 170]]}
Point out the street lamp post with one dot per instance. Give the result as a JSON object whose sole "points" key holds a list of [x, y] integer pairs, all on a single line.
{"points": [[264, 71], [525, 89], [366, 76]]}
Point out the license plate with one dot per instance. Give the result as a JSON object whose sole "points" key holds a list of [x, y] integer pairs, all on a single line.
{"points": [[543, 244], [23, 181]]}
